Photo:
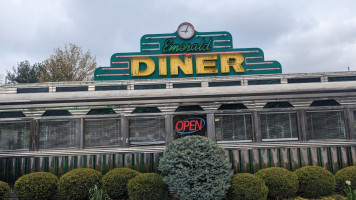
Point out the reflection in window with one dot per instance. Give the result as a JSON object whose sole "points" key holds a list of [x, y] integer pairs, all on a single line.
{"points": [[279, 126], [233, 127], [147, 131], [14, 135], [102, 132], [55, 134], [326, 125]]}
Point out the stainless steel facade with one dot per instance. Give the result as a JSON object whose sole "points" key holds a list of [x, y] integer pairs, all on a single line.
{"points": [[288, 120]]}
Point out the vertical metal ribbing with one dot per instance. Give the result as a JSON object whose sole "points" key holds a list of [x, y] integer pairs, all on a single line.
{"points": [[7, 175], [339, 158], [65, 164], [75, 164], [142, 162], [103, 168], [94, 161], [45, 167], [123, 160], [240, 161], [300, 158], [113, 161], [152, 162], [37, 160], [250, 160], [16, 168], [279, 157], [310, 157], [84, 165], [259, 159], [330, 158], [320, 158], [269, 157], [290, 159], [349, 156], [27, 169], [231, 159], [133, 161], [56, 166]]}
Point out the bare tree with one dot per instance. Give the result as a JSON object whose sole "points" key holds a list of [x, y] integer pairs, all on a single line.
{"points": [[69, 64]]}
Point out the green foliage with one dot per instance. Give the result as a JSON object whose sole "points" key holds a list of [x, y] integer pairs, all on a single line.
{"points": [[343, 175], [281, 183], [332, 197], [115, 182], [247, 187], [148, 186], [70, 64], [97, 193], [315, 181], [25, 73], [194, 167], [76, 184], [4, 190], [37, 185], [351, 194]]}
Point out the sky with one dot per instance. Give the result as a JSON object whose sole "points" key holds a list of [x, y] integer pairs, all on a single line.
{"points": [[304, 35]]}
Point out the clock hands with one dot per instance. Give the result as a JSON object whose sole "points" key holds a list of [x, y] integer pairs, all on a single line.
{"points": [[186, 30]]}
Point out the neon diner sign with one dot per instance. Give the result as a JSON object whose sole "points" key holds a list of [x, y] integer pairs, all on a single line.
{"points": [[190, 125]]}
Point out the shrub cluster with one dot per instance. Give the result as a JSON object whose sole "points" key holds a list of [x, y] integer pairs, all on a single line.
{"points": [[76, 184], [4, 190], [315, 181], [343, 175], [195, 167], [148, 186], [37, 185], [280, 182], [247, 187], [115, 182]]}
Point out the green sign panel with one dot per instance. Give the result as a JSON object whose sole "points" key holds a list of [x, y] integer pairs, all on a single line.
{"points": [[186, 53]]}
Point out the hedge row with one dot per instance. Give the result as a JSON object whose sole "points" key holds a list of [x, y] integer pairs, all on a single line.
{"points": [[119, 183]]}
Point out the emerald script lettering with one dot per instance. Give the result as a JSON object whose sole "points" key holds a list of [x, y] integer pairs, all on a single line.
{"points": [[170, 47]]}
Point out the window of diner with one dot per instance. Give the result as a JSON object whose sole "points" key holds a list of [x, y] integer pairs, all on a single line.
{"points": [[354, 136], [326, 124], [14, 135], [149, 130], [233, 127], [102, 132], [57, 134], [278, 125]]}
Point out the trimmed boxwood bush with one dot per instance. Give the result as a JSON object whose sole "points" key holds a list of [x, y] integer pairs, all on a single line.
{"points": [[76, 184], [315, 181], [4, 190], [194, 167], [37, 185], [343, 175], [281, 183], [247, 187], [115, 182], [148, 186]]}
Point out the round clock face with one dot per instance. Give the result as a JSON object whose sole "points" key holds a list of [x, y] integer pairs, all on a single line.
{"points": [[186, 30]]}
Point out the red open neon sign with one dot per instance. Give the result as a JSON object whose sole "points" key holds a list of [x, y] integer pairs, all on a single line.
{"points": [[190, 125]]}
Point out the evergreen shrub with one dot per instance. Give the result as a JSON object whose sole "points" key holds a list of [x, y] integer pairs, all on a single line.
{"points": [[75, 184], [115, 182], [343, 175], [194, 167], [315, 181], [37, 185], [148, 186], [247, 187], [281, 183], [4, 190]]}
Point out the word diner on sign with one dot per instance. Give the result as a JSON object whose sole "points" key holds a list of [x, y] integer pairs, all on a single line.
{"points": [[186, 53], [190, 125]]}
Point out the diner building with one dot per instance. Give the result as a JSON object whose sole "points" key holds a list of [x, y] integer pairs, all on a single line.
{"points": [[180, 84]]}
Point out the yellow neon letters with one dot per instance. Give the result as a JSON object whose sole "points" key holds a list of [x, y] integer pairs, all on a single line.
{"points": [[204, 64]]}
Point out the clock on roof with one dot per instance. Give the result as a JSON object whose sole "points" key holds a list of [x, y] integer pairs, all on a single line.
{"points": [[186, 30]]}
